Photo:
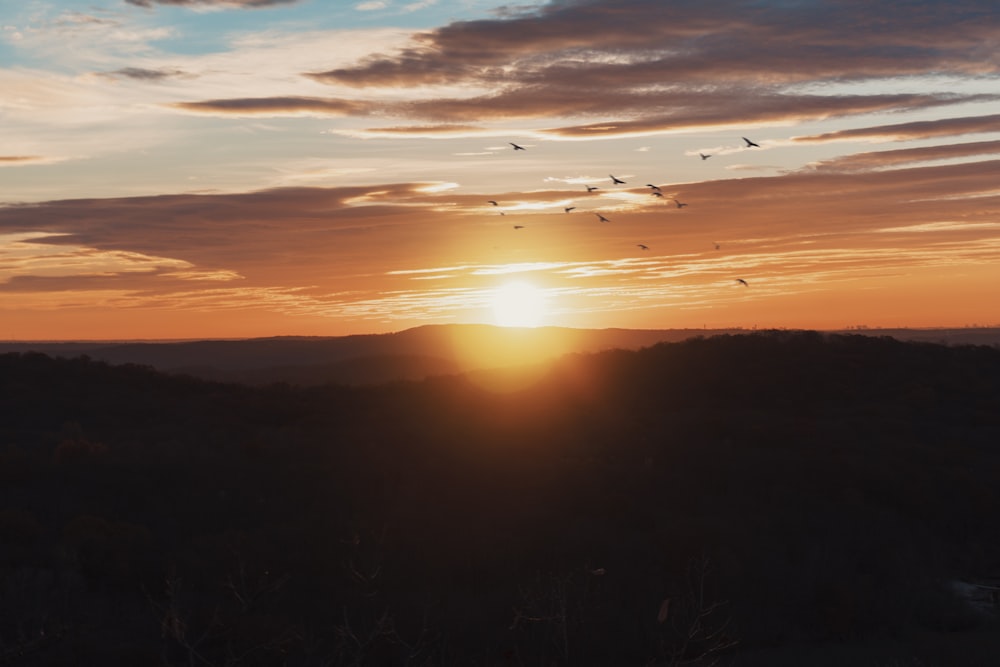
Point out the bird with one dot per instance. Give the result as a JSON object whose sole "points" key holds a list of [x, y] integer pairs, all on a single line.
{"points": [[656, 193], [569, 208], [616, 181], [601, 218], [656, 188], [743, 282], [518, 226], [492, 202], [679, 204], [516, 147], [591, 188], [703, 156], [717, 246], [642, 245], [750, 144]]}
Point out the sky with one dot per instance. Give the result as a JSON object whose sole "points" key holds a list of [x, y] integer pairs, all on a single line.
{"points": [[178, 169]]}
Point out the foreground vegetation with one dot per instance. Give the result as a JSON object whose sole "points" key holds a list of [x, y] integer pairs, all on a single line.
{"points": [[733, 498]]}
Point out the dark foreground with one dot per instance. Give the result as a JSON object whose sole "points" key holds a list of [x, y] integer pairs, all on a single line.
{"points": [[766, 499]]}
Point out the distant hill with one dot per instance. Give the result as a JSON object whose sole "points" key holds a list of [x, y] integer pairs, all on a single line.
{"points": [[412, 354]]}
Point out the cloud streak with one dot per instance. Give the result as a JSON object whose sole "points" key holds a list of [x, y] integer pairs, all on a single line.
{"points": [[239, 4], [272, 106], [925, 129]]}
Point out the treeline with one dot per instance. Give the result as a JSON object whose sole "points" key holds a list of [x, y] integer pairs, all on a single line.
{"points": [[692, 501]]}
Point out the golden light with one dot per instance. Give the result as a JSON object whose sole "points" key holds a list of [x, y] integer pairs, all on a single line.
{"points": [[518, 304]]}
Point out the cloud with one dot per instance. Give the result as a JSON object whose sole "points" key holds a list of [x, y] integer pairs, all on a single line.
{"points": [[640, 112], [883, 159], [925, 129], [241, 4], [277, 106], [423, 130], [644, 42], [144, 74], [650, 66], [19, 159]]}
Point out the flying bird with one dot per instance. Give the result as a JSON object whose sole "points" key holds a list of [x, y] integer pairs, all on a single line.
{"points": [[717, 246], [516, 147], [750, 144], [591, 188], [655, 187], [518, 226], [743, 282], [601, 218], [569, 208], [703, 156], [679, 204], [643, 246], [656, 193], [492, 202], [616, 181]]}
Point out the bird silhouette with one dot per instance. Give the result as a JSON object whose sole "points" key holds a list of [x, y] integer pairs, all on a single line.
{"points": [[516, 147], [703, 156], [569, 208], [492, 202], [656, 188], [743, 282], [656, 193], [601, 218], [518, 226], [616, 181], [750, 144], [591, 188], [643, 246], [717, 246], [679, 204]]}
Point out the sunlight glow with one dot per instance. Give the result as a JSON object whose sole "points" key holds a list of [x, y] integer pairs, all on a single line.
{"points": [[518, 304]]}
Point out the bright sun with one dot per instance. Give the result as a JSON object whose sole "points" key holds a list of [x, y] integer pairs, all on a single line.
{"points": [[518, 305]]}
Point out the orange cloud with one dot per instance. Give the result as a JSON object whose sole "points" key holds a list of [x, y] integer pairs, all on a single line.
{"points": [[398, 254], [18, 159]]}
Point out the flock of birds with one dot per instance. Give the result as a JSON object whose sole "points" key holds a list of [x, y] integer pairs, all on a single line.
{"points": [[655, 190]]}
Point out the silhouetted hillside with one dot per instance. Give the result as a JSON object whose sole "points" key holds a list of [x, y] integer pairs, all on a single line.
{"points": [[413, 354], [777, 498]]}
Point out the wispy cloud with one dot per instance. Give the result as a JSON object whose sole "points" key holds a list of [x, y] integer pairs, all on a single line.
{"points": [[925, 129], [145, 74], [241, 4], [407, 252], [655, 67], [883, 159], [19, 159], [276, 106]]}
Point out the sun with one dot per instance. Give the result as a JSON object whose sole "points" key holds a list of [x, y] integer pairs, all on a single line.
{"points": [[518, 304]]}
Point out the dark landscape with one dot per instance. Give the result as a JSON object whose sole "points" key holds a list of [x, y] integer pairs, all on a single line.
{"points": [[627, 498]]}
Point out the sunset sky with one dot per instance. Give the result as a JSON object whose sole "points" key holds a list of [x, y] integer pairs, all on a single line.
{"points": [[241, 168]]}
